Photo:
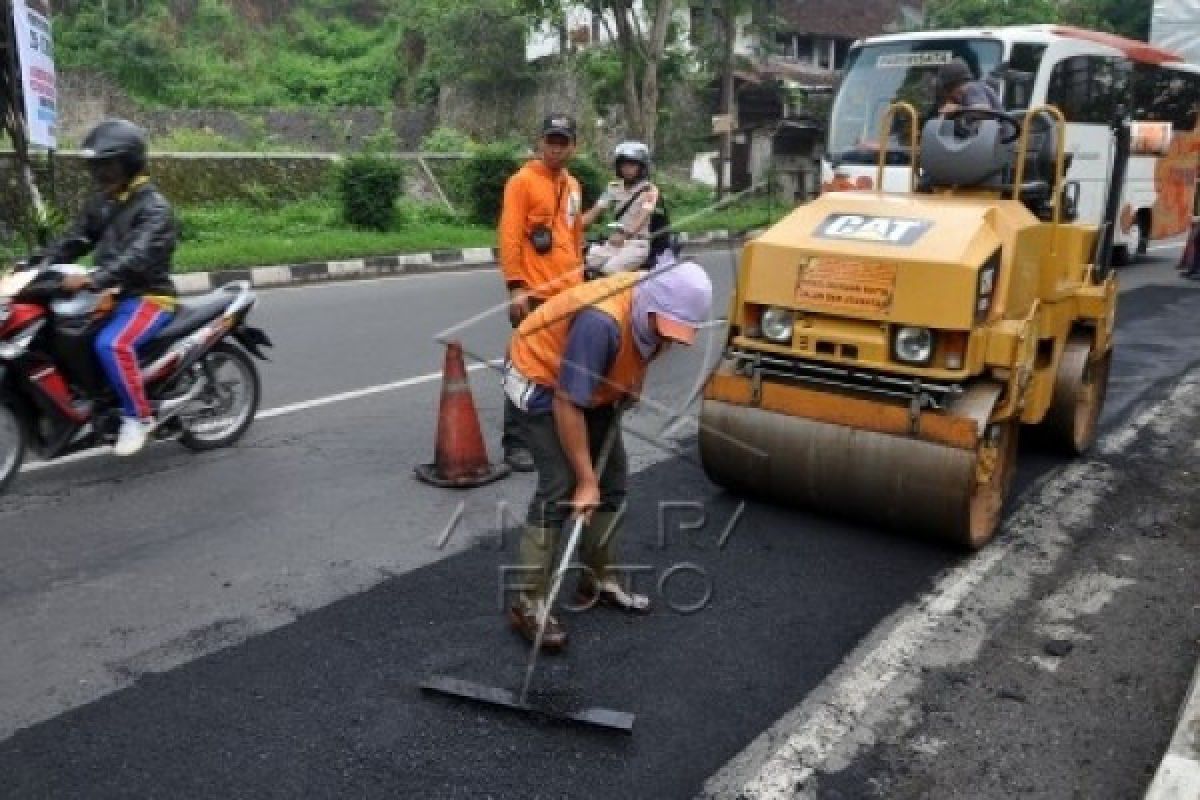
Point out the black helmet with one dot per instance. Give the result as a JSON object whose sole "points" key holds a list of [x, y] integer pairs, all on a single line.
{"points": [[117, 140]]}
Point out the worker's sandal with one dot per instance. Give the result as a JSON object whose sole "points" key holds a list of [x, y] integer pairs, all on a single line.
{"points": [[612, 594]]}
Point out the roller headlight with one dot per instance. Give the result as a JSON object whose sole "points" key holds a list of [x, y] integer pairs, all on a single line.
{"points": [[913, 345], [778, 324]]}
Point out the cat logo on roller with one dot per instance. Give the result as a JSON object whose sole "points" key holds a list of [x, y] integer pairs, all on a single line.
{"points": [[881, 230]]}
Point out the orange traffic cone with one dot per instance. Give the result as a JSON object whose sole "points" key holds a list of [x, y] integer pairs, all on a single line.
{"points": [[460, 457]]}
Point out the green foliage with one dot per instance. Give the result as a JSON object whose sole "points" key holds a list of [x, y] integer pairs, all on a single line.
{"points": [[369, 186], [450, 173], [684, 198], [220, 221], [193, 140], [601, 68], [484, 176], [1113, 16], [446, 140], [213, 58], [592, 175], [480, 45], [980, 13], [414, 214]]}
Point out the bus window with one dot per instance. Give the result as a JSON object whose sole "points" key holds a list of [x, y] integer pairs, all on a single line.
{"points": [[1019, 74], [1162, 94], [878, 75], [1090, 89]]}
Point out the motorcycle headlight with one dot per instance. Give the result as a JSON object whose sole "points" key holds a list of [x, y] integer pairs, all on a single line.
{"points": [[913, 345], [778, 324]]}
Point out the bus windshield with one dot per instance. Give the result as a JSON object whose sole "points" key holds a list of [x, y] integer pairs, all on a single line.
{"points": [[881, 74]]}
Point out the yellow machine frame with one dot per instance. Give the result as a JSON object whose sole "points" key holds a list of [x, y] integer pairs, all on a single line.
{"points": [[1039, 354]]}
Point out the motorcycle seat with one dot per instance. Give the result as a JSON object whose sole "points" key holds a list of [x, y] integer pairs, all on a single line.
{"points": [[193, 314]]}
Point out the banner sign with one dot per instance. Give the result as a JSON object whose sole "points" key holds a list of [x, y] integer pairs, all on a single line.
{"points": [[35, 56]]}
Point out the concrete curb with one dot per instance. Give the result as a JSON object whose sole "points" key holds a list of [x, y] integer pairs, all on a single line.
{"points": [[380, 266], [1178, 775]]}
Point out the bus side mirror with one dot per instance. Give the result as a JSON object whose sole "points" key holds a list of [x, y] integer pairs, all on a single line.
{"points": [[1150, 138]]}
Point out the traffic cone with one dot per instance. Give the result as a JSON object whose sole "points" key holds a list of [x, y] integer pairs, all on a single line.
{"points": [[460, 457]]}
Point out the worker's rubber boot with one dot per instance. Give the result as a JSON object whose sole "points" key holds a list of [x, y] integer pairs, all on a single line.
{"points": [[538, 546]]}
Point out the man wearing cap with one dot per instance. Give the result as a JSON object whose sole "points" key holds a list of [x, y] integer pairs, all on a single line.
{"points": [[957, 88], [541, 244], [572, 365]]}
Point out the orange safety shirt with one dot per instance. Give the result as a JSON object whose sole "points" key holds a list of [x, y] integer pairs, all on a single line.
{"points": [[536, 196], [537, 346]]}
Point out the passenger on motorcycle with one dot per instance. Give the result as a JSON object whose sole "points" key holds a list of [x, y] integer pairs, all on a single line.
{"points": [[131, 228], [632, 200]]}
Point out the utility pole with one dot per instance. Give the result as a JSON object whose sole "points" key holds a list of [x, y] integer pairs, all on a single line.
{"points": [[728, 101]]}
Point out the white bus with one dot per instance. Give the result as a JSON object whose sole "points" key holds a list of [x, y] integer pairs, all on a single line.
{"points": [[1089, 76]]}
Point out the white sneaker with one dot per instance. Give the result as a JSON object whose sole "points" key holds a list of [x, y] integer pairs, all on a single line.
{"points": [[132, 437]]}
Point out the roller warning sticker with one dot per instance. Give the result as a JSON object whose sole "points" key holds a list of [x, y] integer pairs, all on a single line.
{"points": [[846, 285]]}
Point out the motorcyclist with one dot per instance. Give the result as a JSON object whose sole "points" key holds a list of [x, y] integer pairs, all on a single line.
{"points": [[131, 227], [632, 200]]}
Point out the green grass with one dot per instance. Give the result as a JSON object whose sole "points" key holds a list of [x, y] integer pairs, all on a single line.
{"points": [[744, 216], [334, 245], [233, 235]]}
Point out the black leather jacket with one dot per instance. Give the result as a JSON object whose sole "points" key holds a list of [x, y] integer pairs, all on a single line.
{"points": [[133, 241]]}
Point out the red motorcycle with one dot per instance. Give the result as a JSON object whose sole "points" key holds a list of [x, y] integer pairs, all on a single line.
{"points": [[55, 399]]}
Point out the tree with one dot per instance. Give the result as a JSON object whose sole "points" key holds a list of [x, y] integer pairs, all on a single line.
{"points": [[641, 32], [642, 51], [982, 13], [12, 114], [1122, 17]]}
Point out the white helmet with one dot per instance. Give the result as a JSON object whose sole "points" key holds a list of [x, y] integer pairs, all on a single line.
{"points": [[632, 151]]}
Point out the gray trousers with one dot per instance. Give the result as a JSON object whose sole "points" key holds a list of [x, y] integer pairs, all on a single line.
{"points": [[549, 508]]}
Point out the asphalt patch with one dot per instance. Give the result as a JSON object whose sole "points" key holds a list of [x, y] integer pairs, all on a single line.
{"points": [[331, 705]]}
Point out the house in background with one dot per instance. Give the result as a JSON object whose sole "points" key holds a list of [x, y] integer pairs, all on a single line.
{"points": [[788, 54], [788, 61]]}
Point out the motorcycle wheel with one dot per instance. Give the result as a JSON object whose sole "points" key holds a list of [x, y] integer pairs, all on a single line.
{"points": [[12, 446], [227, 405]]}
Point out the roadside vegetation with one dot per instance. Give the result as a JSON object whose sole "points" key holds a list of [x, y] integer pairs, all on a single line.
{"points": [[238, 234], [231, 235]]}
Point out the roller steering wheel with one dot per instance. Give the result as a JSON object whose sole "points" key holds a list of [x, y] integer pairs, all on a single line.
{"points": [[1012, 122]]}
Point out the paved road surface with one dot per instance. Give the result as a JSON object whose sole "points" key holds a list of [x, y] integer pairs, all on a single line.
{"points": [[254, 622]]}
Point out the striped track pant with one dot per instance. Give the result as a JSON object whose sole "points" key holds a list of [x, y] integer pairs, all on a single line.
{"points": [[134, 323]]}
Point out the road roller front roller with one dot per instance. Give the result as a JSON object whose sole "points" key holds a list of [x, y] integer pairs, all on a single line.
{"points": [[885, 350]]}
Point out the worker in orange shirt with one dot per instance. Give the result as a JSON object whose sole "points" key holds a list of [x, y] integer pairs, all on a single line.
{"points": [[541, 245]]}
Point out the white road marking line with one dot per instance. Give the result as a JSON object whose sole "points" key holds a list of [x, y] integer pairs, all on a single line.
{"points": [[281, 411], [342, 397], [783, 762]]}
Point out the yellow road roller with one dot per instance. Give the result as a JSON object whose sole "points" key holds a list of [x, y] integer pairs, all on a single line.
{"points": [[884, 350]]}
